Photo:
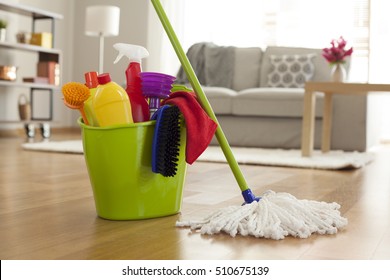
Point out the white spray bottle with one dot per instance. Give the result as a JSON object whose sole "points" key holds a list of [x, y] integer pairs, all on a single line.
{"points": [[139, 104]]}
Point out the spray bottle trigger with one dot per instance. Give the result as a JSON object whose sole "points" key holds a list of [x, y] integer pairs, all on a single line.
{"points": [[120, 55]]}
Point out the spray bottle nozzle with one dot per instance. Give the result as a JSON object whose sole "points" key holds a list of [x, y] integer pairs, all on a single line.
{"points": [[133, 52]]}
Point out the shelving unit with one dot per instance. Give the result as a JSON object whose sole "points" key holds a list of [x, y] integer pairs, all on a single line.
{"points": [[44, 54]]}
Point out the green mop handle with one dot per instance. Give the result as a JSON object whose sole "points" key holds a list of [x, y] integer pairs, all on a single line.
{"points": [[200, 94]]}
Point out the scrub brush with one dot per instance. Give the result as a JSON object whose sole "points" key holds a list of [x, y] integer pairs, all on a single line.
{"points": [[75, 94], [166, 140]]}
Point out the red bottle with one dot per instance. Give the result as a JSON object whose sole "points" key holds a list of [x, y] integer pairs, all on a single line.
{"points": [[139, 105]]}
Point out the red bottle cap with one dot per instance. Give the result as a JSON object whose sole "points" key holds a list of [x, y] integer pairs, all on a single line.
{"points": [[91, 79], [104, 78]]}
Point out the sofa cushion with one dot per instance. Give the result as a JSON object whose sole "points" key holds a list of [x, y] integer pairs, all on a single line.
{"points": [[290, 71], [220, 99], [321, 67], [247, 68], [272, 102]]}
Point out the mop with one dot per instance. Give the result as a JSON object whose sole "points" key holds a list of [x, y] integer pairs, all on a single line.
{"points": [[273, 215]]}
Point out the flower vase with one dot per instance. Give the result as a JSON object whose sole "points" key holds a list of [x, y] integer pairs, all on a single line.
{"points": [[338, 73]]}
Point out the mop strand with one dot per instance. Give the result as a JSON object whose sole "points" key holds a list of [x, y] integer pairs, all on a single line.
{"points": [[275, 216]]}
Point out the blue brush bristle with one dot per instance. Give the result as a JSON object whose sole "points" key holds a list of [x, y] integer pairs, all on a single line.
{"points": [[166, 141]]}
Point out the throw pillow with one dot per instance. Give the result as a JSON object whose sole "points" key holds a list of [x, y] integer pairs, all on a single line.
{"points": [[290, 71]]}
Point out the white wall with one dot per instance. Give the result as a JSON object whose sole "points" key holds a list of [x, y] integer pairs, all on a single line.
{"points": [[133, 26], [380, 57], [162, 55]]}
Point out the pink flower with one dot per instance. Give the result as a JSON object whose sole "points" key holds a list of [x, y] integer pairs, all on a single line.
{"points": [[337, 52]]}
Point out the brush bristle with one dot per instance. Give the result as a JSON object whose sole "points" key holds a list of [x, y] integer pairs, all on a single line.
{"points": [[75, 93], [169, 142]]}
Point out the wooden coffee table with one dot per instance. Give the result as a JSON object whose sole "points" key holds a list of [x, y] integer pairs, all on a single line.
{"points": [[329, 89]]}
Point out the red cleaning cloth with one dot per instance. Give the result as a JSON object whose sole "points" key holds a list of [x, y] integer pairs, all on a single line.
{"points": [[200, 127]]}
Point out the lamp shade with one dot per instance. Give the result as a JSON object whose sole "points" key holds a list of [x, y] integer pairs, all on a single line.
{"points": [[102, 21]]}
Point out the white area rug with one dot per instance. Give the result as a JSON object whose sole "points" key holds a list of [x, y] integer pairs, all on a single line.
{"points": [[291, 158], [70, 146], [256, 156]]}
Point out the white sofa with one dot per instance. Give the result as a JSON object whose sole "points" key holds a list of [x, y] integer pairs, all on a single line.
{"points": [[253, 114]]}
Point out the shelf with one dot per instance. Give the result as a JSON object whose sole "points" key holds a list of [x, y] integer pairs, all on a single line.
{"points": [[27, 10], [24, 122], [44, 55], [28, 47], [28, 85]]}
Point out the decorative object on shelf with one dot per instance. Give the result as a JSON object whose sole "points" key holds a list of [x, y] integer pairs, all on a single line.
{"points": [[3, 30], [102, 21], [30, 130], [43, 39], [45, 130], [49, 70], [336, 56], [23, 37], [37, 80], [8, 73], [24, 107]]}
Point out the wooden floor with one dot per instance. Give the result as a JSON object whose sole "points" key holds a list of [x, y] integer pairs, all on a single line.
{"points": [[47, 211]]}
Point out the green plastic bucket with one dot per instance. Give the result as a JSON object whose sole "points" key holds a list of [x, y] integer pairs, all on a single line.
{"points": [[118, 159]]}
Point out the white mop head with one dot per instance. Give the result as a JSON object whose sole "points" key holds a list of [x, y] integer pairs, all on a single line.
{"points": [[275, 216]]}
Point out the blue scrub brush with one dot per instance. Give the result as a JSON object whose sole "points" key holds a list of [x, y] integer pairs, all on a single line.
{"points": [[166, 140]]}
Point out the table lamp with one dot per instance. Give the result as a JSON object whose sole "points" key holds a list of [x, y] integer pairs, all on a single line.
{"points": [[102, 21]]}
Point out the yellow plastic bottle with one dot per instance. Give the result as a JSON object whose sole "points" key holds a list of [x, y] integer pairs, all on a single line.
{"points": [[111, 103], [91, 81]]}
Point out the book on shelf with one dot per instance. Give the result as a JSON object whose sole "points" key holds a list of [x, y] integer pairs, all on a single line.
{"points": [[51, 70], [38, 80]]}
